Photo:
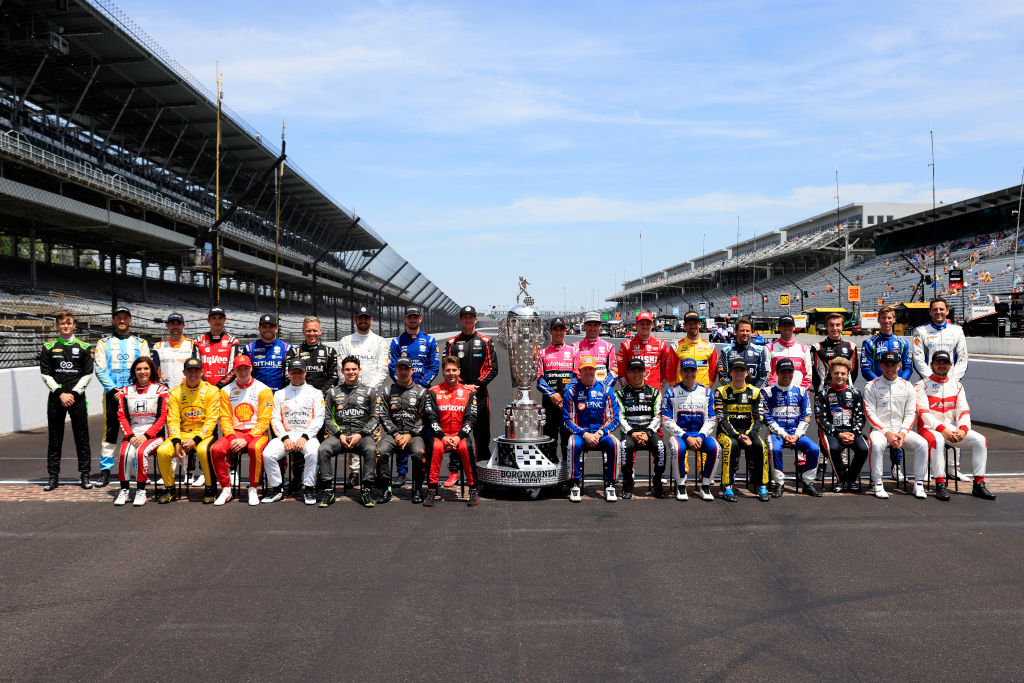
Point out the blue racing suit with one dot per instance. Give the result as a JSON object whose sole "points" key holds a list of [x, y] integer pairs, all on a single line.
{"points": [[687, 413], [871, 353], [787, 412], [268, 362], [591, 409], [756, 358], [422, 349]]}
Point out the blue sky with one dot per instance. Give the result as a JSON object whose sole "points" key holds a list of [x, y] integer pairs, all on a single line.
{"points": [[488, 140]]}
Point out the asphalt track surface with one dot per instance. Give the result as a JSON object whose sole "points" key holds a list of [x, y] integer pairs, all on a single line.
{"points": [[842, 587]]}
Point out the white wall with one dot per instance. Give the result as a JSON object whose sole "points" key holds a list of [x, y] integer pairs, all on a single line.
{"points": [[23, 399]]}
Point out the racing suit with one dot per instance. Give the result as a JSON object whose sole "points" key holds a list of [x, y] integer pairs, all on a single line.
{"points": [[704, 353], [422, 350], [840, 410], [799, 353], [192, 413], [690, 413], [787, 412], [478, 365], [739, 412], [321, 363], [942, 407], [639, 411], [453, 413], [892, 407], [554, 372], [372, 352], [871, 353], [754, 355], [823, 353], [245, 412], [603, 352], [170, 357], [217, 353], [929, 338], [268, 361], [351, 409], [141, 411], [113, 358], [66, 366], [403, 410], [591, 409], [298, 413], [656, 355]]}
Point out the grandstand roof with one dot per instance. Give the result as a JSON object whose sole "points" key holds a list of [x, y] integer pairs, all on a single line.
{"points": [[999, 198], [113, 77]]}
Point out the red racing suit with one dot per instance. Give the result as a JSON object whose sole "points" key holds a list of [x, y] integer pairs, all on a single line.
{"points": [[655, 354], [454, 414], [216, 354], [141, 411]]}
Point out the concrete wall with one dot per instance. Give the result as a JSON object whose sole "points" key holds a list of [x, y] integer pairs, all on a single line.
{"points": [[23, 399]]}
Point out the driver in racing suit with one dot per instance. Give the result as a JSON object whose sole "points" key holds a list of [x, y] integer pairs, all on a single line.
{"points": [[832, 346], [655, 354], [452, 416], [602, 352], [688, 413], [754, 355], [639, 405], [297, 419], [871, 368], [890, 403], [787, 413], [945, 418], [738, 408], [786, 346], [704, 353], [591, 414], [554, 372]]}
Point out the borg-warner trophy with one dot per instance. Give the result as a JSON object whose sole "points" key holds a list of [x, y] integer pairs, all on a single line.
{"points": [[523, 458]]}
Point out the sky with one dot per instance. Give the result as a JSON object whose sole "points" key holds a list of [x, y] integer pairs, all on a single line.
{"points": [[490, 140]]}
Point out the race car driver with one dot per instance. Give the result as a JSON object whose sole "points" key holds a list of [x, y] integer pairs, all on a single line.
{"points": [[870, 365], [452, 414], [945, 418], [591, 414], [217, 350], [420, 348], [839, 411], [351, 422], [656, 354], [297, 417], [478, 365], [246, 405], [321, 361], [754, 355], [268, 354], [738, 409], [592, 346], [192, 413], [786, 346], [787, 414], [940, 335], [832, 346], [554, 372], [890, 403], [704, 353], [170, 354], [688, 414], [403, 410], [372, 351], [113, 358], [640, 420], [66, 366], [142, 414]]}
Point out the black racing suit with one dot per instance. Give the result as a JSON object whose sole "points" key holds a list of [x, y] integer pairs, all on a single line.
{"points": [[478, 364], [839, 410], [321, 363], [404, 410], [822, 354], [67, 367], [640, 411], [351, 409], [739, 412]]}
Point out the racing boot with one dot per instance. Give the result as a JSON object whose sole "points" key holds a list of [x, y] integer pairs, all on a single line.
{"points": [[54, 482], [275, 494], [812, 490], [575, 494], [728, 495], [941, 491], [104, 479], [366, 497], [705, 492], [326, 497], [452, 480], [166, 497], [209, 495], [385, 495], [763, 495], [474, 498], [86, 481], [659, 488], [776, 491], [981, 491], [428, 502], [417, 495]]}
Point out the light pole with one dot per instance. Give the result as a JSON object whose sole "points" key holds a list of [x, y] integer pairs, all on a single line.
{"points": [[1016, 238], [935, 248]]}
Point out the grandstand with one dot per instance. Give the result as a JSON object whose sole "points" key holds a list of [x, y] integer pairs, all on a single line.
{"points": [[815, 267], [108, 166]]}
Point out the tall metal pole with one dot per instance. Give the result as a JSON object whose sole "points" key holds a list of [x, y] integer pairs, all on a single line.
{"points": [[641, 269], [215, 261], [935, 248], [1016, 239], [736, 254], [846, 249], [279, 177]]}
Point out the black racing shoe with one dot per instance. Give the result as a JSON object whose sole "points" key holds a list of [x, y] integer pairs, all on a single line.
{"points": [[104, 479], [474, 498], [941, 491], [728, 495], [854, 486], [626, 494], [86, 481], [841, 487], [166, 497], [981, 491], [812, 490], [385, 496], [326, 497], [659, 489], [428, 502], [54, 482], [209, 495], [776, 490], [417, 496], [366, 497]]}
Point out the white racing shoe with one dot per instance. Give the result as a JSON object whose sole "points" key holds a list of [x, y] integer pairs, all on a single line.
{"points": [[574, 494], [705, 492], [254, 497], [879, 490], [225, 496], [140, 498], [681, 493], [919, 490], [122, 497], [609, 494]]}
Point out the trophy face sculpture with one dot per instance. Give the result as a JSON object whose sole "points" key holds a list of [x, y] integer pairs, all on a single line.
{"points": [[524, 457]]}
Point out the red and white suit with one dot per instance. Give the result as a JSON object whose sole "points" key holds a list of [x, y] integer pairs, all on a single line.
{"points": [[141, 411], [942, 408], [799, 353], [656, 355], [245, 412]]}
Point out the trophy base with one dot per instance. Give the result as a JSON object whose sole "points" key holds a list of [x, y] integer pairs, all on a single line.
{"points": [[523, 463]]}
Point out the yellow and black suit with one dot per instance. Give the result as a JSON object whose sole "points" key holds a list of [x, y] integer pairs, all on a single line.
{"points": [[739, 412]]}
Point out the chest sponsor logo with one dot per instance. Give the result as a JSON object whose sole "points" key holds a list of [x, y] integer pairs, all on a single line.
{"points": [[192, 413], [244, 412], [75, 350], [67, 365]]}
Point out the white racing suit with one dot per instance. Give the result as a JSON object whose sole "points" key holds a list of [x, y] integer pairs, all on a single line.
{"points": [[892, 407], [298, 413]]}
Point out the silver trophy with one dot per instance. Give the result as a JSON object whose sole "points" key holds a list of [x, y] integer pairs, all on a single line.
{"points": [[524, 457]]}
